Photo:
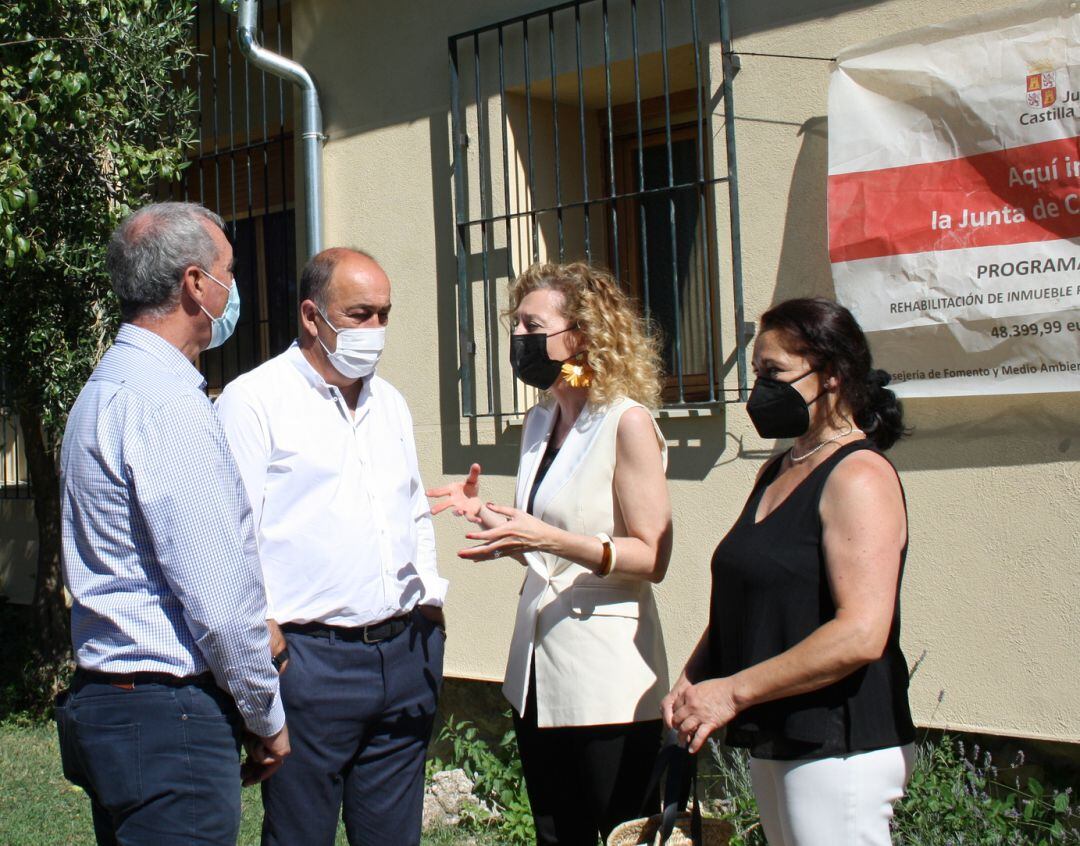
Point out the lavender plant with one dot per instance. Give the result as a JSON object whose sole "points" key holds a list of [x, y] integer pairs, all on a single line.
{"points": [[958, 797]]}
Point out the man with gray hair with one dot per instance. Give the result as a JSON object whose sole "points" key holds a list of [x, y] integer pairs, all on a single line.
{"points": [[168, 604]]}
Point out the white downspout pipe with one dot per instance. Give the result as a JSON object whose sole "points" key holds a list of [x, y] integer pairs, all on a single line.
{"points": [[311, 127]]}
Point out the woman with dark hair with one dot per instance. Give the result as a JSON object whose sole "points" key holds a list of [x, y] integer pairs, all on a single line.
{"points": [[801, 659]]}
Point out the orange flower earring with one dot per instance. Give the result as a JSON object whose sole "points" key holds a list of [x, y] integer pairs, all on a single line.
{"points": [[577, 375]]}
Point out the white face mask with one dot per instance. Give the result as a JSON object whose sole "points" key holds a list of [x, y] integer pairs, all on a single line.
{"points": [[357, 351]]}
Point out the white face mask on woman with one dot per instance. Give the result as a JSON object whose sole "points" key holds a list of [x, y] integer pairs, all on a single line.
{"points": [[357, 352]]}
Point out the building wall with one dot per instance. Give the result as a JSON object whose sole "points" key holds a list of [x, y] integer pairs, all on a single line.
{"points": [[991, 591]]}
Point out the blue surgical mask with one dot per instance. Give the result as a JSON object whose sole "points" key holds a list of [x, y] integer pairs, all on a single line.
{"points": [[222, 327]]}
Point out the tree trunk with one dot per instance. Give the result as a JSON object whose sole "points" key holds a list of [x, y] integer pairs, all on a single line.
{"points": [[50, 607]]}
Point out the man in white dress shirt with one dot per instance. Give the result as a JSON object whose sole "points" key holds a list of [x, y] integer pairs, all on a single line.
{"points": [[326, 451]]}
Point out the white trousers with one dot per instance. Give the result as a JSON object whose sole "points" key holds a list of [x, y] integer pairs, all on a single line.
{"points": [[845, 801]]}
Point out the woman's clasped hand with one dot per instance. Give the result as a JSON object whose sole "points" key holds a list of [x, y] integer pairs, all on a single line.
{"points": [[695, 711]]}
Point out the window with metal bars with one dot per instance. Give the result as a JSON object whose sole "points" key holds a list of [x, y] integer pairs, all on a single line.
{"points": [[586, 132], [242, 168]]}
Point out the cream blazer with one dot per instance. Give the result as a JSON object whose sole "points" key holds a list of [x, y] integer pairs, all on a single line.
{"points": [[597, 642]]}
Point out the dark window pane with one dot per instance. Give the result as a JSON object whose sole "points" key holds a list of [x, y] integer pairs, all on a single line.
{"points": [[661, 301]]}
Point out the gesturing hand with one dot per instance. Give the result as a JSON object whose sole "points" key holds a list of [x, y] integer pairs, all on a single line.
{"points": [[521, 532], [463, 497], [700, 709]]}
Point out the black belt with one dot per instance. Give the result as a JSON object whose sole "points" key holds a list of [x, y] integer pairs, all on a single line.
{"points": [[131, 680], [373, 633]]}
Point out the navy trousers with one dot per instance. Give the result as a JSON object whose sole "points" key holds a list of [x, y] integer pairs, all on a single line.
{"points": [[160, 764], [360, 716]]}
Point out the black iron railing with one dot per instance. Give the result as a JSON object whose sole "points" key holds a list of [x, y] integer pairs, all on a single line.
{"points": [[584, 131], [243, 168]]}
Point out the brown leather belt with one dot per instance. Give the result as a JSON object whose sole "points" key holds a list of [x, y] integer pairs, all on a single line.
{"points": [[129, 681], [372, 633]]}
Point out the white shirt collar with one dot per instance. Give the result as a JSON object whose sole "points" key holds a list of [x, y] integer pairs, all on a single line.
{"points": [[296, 357]]}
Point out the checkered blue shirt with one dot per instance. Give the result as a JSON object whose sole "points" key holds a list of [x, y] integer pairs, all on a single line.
{"points": [[159, 549]]}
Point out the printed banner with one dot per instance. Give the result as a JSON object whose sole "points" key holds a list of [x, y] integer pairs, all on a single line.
{"points": [[954, 201]]}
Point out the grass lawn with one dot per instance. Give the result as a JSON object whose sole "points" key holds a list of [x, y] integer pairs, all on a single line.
{"points": [[39, 807]]}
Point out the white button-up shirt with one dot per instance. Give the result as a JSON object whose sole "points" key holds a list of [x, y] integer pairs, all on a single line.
{"points": [[344, 528]]}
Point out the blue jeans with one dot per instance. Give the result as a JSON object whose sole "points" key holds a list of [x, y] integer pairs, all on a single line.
{"points": [[360, 717], [160, 764]]}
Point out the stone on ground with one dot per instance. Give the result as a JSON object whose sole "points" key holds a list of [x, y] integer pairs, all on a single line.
{"points": [[445, 797]]}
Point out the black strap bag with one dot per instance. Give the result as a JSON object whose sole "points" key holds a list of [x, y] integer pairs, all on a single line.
{"points": [[674, 825]]}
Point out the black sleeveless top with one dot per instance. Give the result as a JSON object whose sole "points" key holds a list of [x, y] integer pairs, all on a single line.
{"points": [[541, 471], [770, 591]]}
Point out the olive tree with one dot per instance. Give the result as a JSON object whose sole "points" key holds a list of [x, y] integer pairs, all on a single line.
{"points": [[93, 116]]}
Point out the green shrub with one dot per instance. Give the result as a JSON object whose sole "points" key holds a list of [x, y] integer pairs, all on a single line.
{"points": [[959, 798], [499, 783], [954, 798], [27, 685]]}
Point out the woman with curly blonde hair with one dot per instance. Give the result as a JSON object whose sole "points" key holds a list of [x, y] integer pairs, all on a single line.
{"points": [[592, 524]]}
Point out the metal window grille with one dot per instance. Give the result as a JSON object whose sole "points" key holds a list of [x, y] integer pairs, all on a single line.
{"points": [[243, 169], [584, 132]]}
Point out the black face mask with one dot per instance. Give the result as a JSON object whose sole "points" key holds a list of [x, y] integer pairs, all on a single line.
{"points": [[777, 409], [529, 360]]}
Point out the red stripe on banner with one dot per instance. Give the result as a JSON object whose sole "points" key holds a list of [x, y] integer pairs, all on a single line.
{"points": [[959, 203]]}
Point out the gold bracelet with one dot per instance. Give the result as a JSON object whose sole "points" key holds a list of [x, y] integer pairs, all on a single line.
{"points": [[607, 562]]}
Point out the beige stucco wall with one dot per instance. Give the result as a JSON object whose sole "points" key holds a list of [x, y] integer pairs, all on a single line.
{"points": [[992, 591]]}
